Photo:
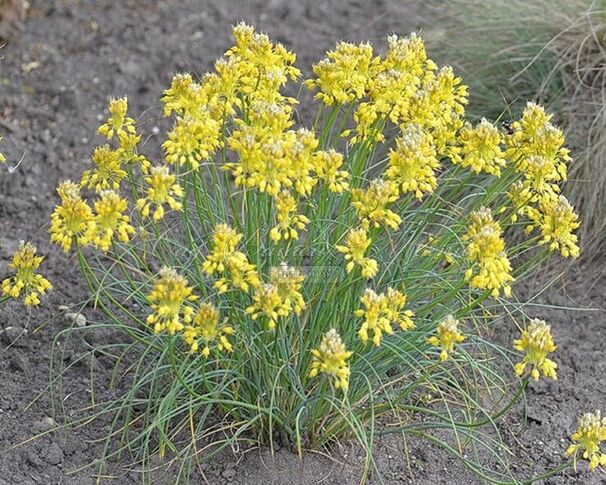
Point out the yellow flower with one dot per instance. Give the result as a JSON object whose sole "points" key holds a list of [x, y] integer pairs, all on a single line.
{"points": [[183, 96], [344, 75], [380, 312], [330, 358], [413, 162], [110, 220], [481, 148], [108, 172], [162, 189], [557, 221], [193, 139], [288, 221], [486, 250], [169, 297], [588, 438], [372, 204], [327, 164], [26, 280], [206, 331], [72, 220], [117, 123], [538, 343], [356, 244], [448, 336], [233, 265], [289, 282], [267, 302], [127, 150]]}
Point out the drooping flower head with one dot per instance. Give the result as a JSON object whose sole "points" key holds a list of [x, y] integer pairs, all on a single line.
{"points": [[25, 262], [72, 220], [557, 222], [288, 281], [588, 438], [356, 244], [330, 358], [111, 220], [413, 162], [289, 222], [372, 204], [491, 269], [481, 148], [162, 189], [538, 343], [206, 331], [169, 300], [268, 303], [327, 165], [107, 172], [448, 336], [117, 123]]}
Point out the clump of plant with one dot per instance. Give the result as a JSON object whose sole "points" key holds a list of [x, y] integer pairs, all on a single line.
{"points": [[304, 285], [553, 52]]}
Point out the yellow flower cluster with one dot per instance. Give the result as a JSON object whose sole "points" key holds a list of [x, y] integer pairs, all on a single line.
{"points": [[448, 336], [356, 244], [537, 150], [72, 221], [118, 124], [288, 221], [481, 148], [110, 220], [168, 298], [280, 297], [26, 280], [413, 162], [330, 358], [538, 343], [590, 433], [491, 269], [327, 164], [233, 265], [380, 312], [162, 189], [206, 330], [372, 204], [108, 172]]}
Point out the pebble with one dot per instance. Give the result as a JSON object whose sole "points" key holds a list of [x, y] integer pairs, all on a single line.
{"points": [[76, 318]]}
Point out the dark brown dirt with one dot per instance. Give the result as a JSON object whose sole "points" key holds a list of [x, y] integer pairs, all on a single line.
{"points": [[55, 79]]}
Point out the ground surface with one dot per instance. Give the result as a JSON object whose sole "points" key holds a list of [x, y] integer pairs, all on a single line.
{"points": [[55, 79]]}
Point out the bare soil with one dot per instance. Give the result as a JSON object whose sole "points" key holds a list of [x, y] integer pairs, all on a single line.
{"points": [[56, 77]]}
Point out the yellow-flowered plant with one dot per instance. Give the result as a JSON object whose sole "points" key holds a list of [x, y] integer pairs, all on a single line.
{"points": [[26, 280], [538, 343], [448, 336], [281, 227], [588, 438]]}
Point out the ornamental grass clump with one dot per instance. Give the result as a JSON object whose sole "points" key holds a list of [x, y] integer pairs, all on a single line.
{"points": [[301, 285]]}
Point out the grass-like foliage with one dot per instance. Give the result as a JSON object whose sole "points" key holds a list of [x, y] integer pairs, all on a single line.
{"points": [[550, 51], [305, 285]]}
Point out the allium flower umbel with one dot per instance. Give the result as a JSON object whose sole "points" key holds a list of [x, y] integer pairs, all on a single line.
{"points": [[206, 331], [225, 260], [118, 123], [380, 312], [162, 189], [372, 204], [327, 165], [289, 222], [557, 222], [72, 220], [356, 244], [486, 251], [26, 280], [330, 358], [448, 336], [538, 343], [587, 440], [169, 300], [268, 303], [413, 161], [481, 148], [111, 220], [107, 172], [289, 282]]}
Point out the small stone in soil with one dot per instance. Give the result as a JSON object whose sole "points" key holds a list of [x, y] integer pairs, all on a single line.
{"points": [[76, 318]]}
